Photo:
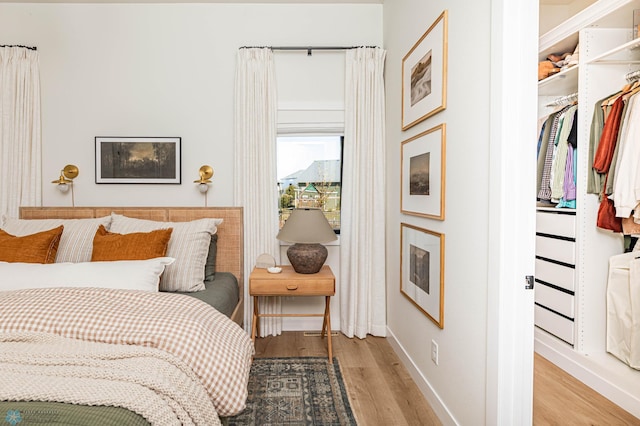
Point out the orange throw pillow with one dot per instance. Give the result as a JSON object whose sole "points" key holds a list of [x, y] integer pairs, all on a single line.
{"points": [[109, 246], [40, 247]]}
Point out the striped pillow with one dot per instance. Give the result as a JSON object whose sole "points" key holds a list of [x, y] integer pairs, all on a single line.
{"points": [[189, 245], [76, 243]]}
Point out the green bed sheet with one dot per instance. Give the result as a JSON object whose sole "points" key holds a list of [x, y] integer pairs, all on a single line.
{"points": [[222, 292], [59, 414]]}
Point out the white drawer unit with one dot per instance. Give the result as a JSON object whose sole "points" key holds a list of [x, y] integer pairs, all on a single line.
{"points": [[554, 299], [555, 324], [555, 273], [557, 249], [559, 224]]}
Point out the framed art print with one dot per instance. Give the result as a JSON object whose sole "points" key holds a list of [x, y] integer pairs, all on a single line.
{"points": [[138, 160], [422, 270], [422, 168], [424, 75]]}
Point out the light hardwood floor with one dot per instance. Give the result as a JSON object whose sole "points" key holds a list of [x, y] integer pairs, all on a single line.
{"points": [[380, 388], [561, 399], [382, 392]]}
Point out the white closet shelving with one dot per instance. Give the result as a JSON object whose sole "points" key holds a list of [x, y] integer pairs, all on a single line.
{"points": [[565, 81], [571, 313], [626, 54]]}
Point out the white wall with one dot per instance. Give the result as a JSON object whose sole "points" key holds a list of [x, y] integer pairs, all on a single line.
{"points": [[458, 383], [166, 70]]}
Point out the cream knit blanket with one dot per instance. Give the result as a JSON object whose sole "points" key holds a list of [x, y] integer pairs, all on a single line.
{"points": [[217, 350], [153, 383]]}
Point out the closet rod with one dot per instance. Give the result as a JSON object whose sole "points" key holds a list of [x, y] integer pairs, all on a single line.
{"points": [[564, 100], [632, 76], [19, 45], [307, 48]]}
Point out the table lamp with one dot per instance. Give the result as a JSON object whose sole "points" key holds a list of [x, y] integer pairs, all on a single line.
{"points": [[307, 228]]}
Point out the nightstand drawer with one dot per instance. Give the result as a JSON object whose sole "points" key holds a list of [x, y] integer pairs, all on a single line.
{"points": [[292, 287]]}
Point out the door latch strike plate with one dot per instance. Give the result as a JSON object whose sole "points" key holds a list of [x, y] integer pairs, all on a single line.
{"points": [[529, 282]]}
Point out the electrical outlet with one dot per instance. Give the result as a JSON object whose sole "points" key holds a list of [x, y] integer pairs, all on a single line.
{"points": [[434, 352]]}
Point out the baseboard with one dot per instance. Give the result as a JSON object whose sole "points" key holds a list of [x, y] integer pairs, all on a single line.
{"points": [[304, 324], [438, 406], [603, 373]]}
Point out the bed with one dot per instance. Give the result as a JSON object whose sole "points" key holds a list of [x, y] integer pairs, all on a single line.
{"points": [[76, 353]]}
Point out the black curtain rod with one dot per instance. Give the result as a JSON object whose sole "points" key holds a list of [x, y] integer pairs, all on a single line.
{"points": [[307, 48], [19, 45]]}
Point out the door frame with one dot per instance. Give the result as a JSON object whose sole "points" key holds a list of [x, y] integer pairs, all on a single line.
{"points": [[511, 250]]}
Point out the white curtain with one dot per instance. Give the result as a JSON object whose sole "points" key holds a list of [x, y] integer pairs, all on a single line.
{"points": [[255, 170], [362, 242], [20, 133]]}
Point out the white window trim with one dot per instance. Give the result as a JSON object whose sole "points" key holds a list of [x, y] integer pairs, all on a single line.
{"points": [[310, 120]]}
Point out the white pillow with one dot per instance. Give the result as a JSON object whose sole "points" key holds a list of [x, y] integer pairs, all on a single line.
{"points": [[76, 243], [189, 245], [121, 274]]}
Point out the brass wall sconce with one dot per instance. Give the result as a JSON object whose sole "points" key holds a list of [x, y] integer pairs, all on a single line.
{"points": [[205, 172], [65, 181]]}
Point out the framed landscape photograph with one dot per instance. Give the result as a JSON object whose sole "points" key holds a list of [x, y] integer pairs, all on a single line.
{"points": [[422, 180], [138, 159], [422, 270], [424, 75]]}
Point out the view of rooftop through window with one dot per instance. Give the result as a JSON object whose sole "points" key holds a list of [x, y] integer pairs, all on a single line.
{"points": [[309, 172]]}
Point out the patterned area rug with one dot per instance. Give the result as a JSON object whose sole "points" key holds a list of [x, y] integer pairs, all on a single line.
{"points": [[295, 391]]}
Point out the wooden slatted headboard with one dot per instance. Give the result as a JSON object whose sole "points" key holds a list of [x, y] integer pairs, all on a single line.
{"points": [[230, 255]]}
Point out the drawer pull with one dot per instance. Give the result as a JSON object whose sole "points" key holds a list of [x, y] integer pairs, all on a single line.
{"points": [[292, 286]]}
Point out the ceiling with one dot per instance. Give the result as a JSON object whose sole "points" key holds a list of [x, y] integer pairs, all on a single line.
{"points": [[554, 2], [200, 1]]}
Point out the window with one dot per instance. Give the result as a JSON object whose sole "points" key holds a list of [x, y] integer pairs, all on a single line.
{"points": [[309, 172]]}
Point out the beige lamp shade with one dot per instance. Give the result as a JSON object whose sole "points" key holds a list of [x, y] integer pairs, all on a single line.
{"points": [[307, 226]]}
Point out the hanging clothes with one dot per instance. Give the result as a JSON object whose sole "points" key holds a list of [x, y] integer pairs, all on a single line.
{"points": [[569, 188], [608, 134], [555, 168], [606, 147], [543, 143], [548, 158], [614, 160], [627, 177], [595, 179], [562, 149], [615, 128]]}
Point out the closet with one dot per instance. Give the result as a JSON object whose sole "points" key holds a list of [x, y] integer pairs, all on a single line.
{"points": [[572, 254]]}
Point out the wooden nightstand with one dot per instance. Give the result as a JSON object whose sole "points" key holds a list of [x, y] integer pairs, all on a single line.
{"points": [[290, 283]]}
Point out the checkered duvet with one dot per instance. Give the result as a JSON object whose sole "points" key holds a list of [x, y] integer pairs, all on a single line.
{"points": [[216, 349]]}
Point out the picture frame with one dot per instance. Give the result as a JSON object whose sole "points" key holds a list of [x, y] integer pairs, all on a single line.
{"points": [[422, 270], [423, 174], [140, 160], [424, 75]]}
